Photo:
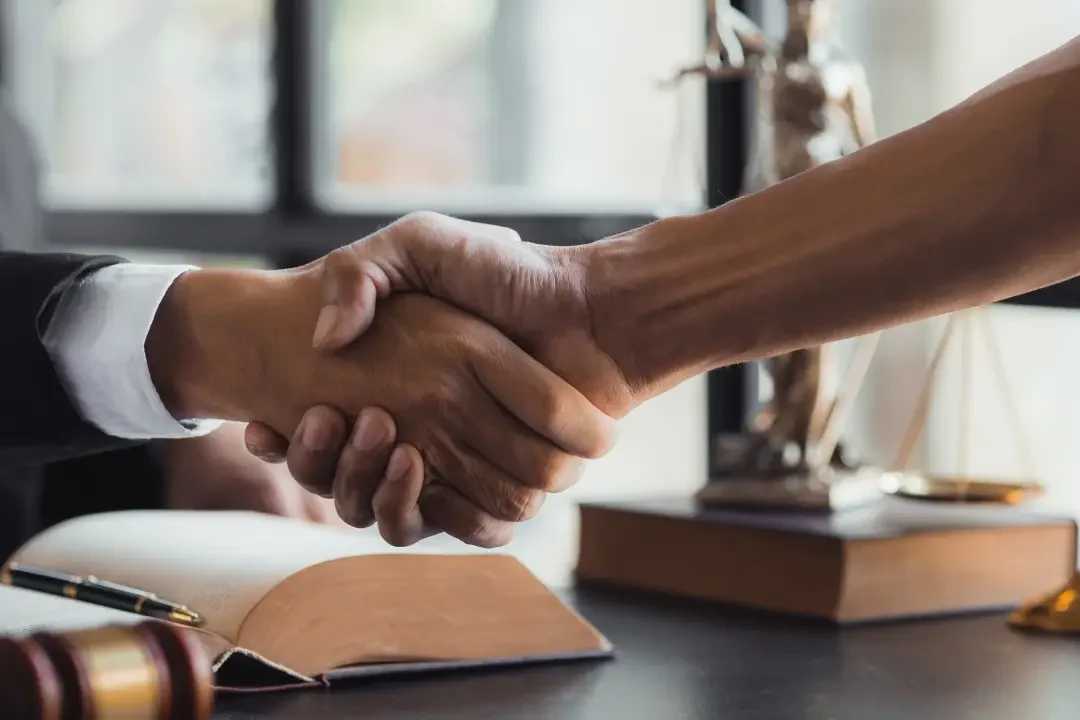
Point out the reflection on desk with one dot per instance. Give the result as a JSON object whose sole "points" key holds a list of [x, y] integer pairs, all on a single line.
{"points": [[676, 659]]}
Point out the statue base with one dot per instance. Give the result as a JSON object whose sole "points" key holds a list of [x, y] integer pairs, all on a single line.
{"points": [[749, 471], [830, 490]]}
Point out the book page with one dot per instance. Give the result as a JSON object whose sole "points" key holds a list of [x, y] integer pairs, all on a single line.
{"points": [[23, 612], [217, 563]]}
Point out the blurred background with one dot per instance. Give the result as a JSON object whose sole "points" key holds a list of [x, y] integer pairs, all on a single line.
{"points": [[265, 133]]}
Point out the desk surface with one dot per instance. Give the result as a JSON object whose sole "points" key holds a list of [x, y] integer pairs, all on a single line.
{"points": [[678, 659]]}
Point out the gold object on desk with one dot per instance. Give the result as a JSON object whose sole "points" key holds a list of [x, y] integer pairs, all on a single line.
{"points": [[963, 487], [149, 671], [918, 486], [122, 675], [1058, 612]]}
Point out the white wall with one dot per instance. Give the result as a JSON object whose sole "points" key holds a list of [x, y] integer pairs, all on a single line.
{"points": [[923, 56], [1040, 346]]}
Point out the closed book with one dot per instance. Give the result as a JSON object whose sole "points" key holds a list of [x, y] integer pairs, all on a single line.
{"points": [[893, 560]]}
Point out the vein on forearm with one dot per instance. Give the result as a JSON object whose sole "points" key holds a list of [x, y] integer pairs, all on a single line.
{"points": [[976, 205]]}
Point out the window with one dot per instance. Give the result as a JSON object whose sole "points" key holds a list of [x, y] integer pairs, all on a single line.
{"points": [[526, 105], [284, 128], [517, 110], [146, 103]]}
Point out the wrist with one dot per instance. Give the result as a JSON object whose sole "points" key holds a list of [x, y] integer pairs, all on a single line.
{"points": [[204, 350], [644, 306]]}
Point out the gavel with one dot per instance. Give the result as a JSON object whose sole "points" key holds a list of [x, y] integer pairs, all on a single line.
{"points": [[148, 671]]}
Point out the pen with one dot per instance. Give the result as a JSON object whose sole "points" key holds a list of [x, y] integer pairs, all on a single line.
{"points": [[98, 592]]}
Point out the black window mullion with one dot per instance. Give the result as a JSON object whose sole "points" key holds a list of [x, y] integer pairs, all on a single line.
{"points": [[4, 10], [728, 108], [291, 132]]}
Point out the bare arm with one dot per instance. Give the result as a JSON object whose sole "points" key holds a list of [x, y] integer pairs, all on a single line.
{"points": [[979, 204]]}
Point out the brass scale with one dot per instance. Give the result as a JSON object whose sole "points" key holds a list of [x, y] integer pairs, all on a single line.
{"points": [[738, 48]]}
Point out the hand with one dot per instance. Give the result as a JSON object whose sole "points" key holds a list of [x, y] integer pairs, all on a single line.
{"points": [[360, 459], [356, 459], [215, 473], [493, 428], [539, 296]]}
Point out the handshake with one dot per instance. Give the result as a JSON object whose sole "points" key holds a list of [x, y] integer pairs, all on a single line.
{"points": [[439, 375]]}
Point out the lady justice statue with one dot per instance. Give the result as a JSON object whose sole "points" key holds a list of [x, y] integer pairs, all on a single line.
{"points": [[814, 107]]}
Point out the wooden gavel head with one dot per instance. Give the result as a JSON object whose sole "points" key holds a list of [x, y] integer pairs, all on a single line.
{"points": [[149, 671]]}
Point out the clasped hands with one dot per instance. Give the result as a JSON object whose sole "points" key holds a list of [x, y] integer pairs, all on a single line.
{"points": [[467, 358]]}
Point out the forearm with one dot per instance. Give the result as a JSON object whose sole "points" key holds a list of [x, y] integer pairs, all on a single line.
{"points": [[979, 204]]}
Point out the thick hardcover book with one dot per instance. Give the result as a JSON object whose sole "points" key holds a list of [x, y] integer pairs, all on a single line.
{"points": [[899, 559], [289, 603]]}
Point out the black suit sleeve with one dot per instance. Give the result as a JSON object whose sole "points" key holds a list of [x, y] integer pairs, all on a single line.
{"points": [[38, 422]]}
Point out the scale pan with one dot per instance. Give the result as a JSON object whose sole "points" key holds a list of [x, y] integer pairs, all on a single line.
{"points": [[959, 489]]}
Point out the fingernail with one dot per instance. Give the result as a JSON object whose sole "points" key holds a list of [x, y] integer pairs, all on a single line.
{"points": [[263, 454], [398, 467], [325, 324], [314, 436], [369, 434]]}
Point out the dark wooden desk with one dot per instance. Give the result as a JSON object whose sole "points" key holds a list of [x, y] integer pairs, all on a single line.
{"points": [[682, 660]]}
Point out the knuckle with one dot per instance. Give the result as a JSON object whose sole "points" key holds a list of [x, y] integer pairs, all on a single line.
{"points": [[509, 235], [445, 399], [552, 407], [340, 262], [352, 506], [394, 535], [353, 515], [363, 469], [309, 478], [598, 449], [557, 472], [419, 219], [525, 503], [486, 532]]}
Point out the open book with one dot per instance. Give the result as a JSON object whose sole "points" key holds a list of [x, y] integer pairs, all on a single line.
{"points": [[285, 602]]}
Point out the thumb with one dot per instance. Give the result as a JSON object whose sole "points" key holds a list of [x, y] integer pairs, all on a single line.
{"points": [[424, 252], [353, 278], [350, 288], [264, 443]]}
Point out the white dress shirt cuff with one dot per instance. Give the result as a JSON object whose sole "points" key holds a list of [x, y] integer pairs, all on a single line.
{"points": [[97, 341]]}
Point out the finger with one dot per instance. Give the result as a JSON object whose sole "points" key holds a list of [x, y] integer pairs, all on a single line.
{"points": [[361, 466], [350, 298], [546, 403], [444, 508], [351, 285], [395, 502], [264, 443], [530, 459], [406, 255], [490, 488], [315, 447]]}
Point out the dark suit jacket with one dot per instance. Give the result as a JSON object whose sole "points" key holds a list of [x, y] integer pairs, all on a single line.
{"points": [[46, 470]]}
